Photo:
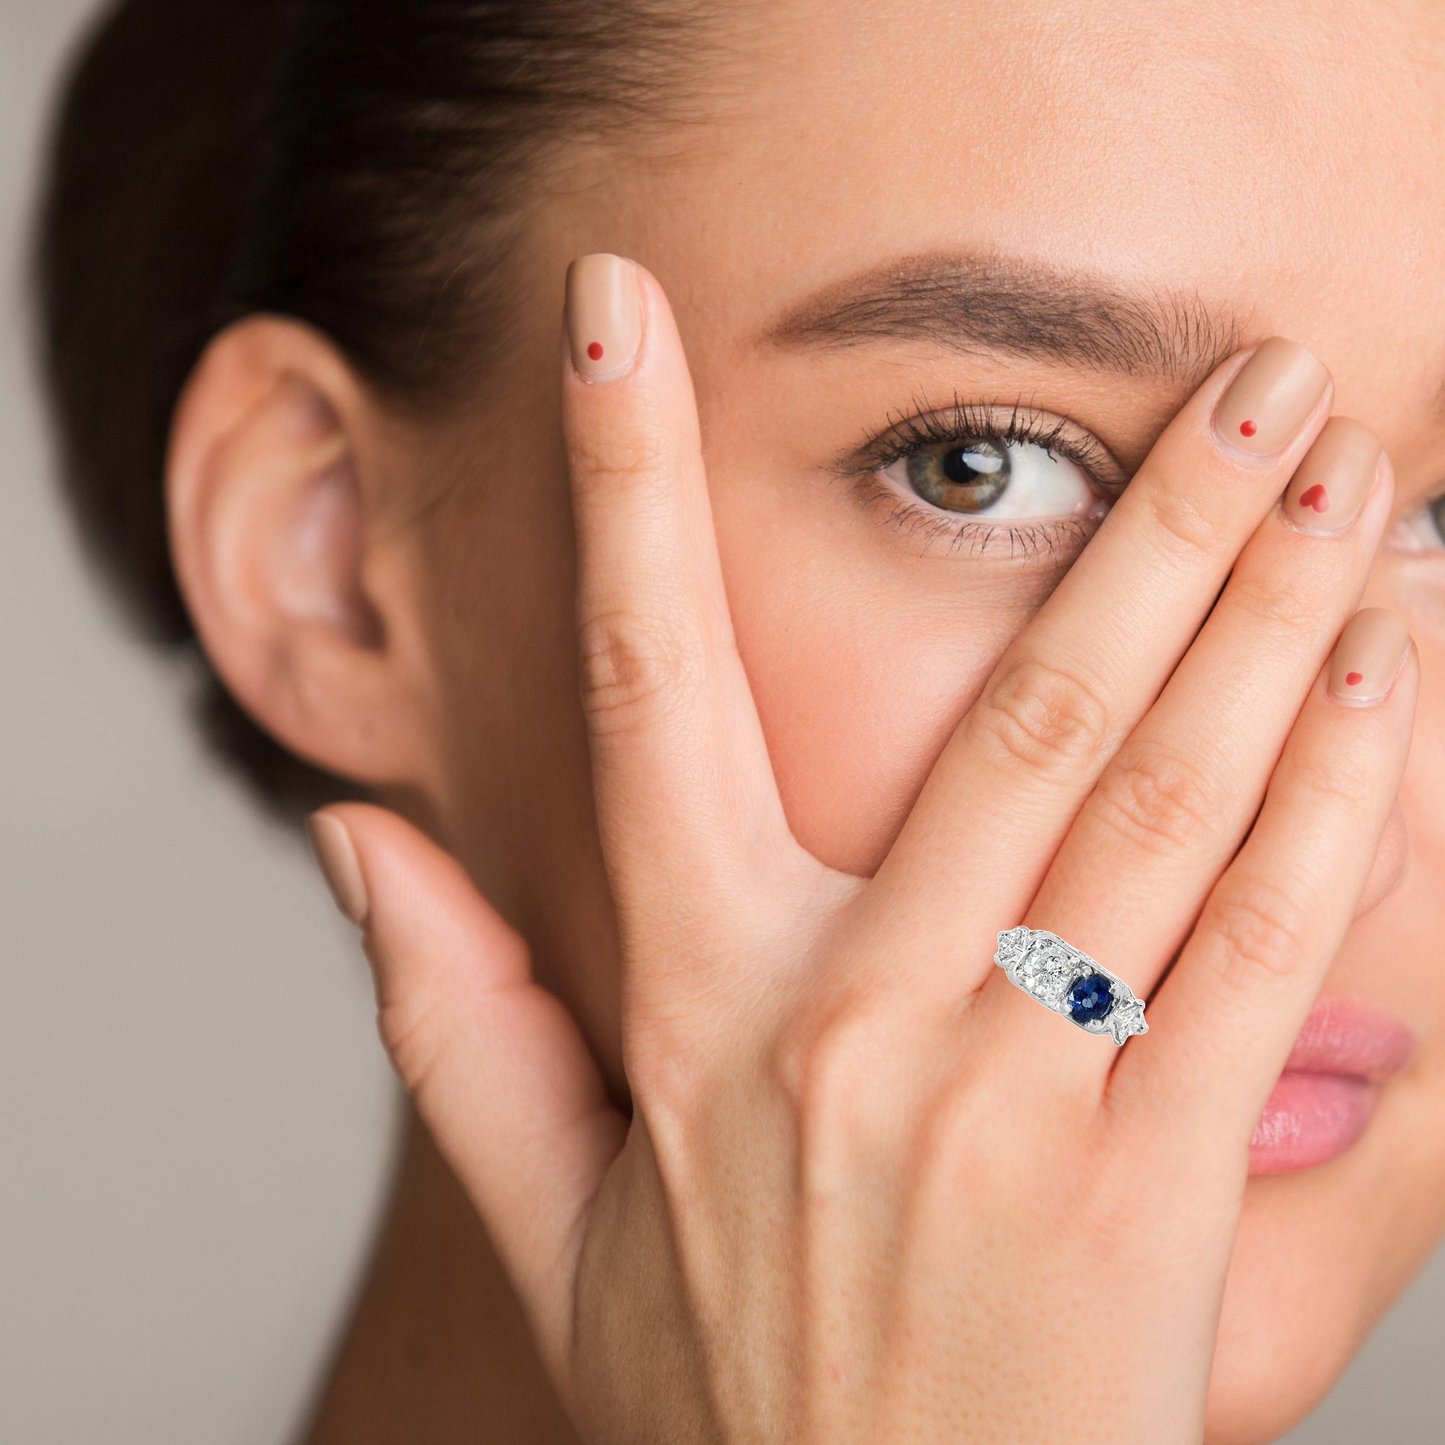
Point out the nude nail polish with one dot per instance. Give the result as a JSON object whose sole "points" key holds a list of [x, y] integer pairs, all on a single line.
{"points": [[1368, 657], [1329, 488], [604, 315], [1271, 398], [336, 855]]}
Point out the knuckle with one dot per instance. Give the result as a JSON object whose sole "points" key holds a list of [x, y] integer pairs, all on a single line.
{"points": [[667, 1082], [1041, 715], [633, 666], [810, 1056], [1157, 799], [617, 464], [1259, 929], [955, 1133], [826, 1067], [415, 1038], [1331, 775], [662, 1057], [1278, 602], [1180, 521]]}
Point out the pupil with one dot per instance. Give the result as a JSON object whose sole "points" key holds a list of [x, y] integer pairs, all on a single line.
{"points": [[978, 461]]}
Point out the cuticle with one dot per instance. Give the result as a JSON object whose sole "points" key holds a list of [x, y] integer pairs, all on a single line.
{"points": [[1320, 532]]}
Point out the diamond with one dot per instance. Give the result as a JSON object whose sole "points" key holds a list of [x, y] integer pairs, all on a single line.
{"points": [[1013, 943], [1127, 1018], [1048, 970]]}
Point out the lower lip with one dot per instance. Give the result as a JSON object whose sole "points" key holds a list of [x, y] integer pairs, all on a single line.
{"points": [[1310, 1119]]}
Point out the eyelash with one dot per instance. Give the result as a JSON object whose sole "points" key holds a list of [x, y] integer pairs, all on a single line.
{"points": [[922, 428]]}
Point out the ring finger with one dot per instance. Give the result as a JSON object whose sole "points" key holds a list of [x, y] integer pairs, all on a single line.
{"points": [[1229, 1012]]}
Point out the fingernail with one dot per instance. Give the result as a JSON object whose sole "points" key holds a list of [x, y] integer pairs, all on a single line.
{"points": [[1264, 407], [1328, 490], [1368, 656], [604, 315], [336, 854]]}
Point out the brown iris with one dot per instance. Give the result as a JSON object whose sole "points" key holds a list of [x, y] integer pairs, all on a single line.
{"points": [[967, 476]]}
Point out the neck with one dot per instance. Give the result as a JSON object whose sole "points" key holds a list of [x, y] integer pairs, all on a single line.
{"points": [[437, 1350]]}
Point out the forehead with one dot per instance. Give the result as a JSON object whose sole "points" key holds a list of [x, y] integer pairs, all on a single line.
{"points": [[1288, 160]]}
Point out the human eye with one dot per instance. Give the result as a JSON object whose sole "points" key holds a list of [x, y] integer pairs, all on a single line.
{"points": [[1420, 531], [1010, 479]]}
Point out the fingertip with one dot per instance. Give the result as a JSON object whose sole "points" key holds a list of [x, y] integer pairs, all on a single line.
{"points": [[1281, 394], [354, 843], [336, 856], [420, 901], [1369, 656], [605, 313]]}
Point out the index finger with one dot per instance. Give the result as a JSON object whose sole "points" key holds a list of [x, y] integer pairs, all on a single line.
{"points": [[1084, 671], [691, 822]]}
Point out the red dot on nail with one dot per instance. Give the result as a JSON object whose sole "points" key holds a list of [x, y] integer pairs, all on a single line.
{"points": [[1354, 679], [1247, 428], [595, 351]]}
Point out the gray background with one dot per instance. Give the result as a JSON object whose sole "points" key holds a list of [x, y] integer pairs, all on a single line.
{"points": [[196, 1121]]}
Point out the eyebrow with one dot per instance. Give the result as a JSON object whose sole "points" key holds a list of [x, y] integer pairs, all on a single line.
{"points": [[1020, 308]]}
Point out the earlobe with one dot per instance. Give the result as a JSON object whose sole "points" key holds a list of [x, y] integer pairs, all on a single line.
{"points": [[268, 517]]}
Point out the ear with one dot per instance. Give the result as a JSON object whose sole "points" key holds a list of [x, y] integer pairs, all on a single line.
{"points": [[273, 497]]}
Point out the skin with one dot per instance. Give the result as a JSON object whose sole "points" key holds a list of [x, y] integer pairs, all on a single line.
{"points": [[395, 600]]}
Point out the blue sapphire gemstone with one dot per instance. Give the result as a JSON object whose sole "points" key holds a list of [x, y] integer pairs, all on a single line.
{"points": [[1090, 999]]}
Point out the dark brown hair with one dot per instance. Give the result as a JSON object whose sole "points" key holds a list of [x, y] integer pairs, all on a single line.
{"points": [[367, 166]]}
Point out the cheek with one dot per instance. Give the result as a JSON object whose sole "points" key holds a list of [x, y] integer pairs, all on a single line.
{"points": [[858, 689]]}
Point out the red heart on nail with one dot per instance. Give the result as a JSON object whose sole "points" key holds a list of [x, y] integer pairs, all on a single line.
{"points": [[1315, 497], [1353, 679]]}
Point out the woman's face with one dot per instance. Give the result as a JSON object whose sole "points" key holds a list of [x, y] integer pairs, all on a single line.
{"points": [[889, 209]]}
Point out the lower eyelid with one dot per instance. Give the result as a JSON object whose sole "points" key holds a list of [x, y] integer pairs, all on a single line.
{"points": [[1016, 540]]}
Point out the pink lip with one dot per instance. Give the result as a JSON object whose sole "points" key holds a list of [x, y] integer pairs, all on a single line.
{"points": [[1325, 1097]]}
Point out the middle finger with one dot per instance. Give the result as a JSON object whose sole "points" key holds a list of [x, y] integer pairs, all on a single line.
{"points": [[1077, 679]]}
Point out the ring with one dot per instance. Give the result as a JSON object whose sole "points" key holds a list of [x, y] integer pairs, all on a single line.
{"points": [[1071, 983]]}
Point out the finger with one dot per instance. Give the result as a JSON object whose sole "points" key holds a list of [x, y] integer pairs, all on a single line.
{"points": [[1390, 865], [686, 801], [1079, 677], [1170, 809], [1222, 1024], [499, 1071]]}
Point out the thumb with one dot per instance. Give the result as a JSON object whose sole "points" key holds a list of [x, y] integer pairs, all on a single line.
{"points": [[499, 1070]]}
